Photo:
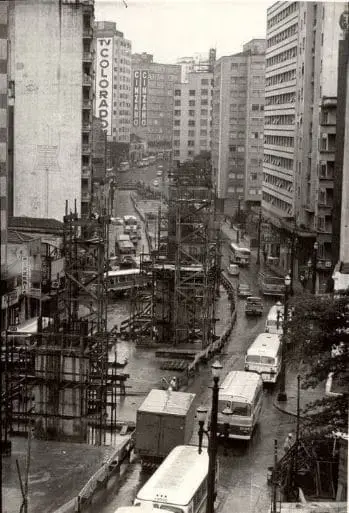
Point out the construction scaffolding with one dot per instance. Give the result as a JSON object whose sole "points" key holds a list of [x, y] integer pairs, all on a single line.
{"points": [[186, 261], [59, 378]]}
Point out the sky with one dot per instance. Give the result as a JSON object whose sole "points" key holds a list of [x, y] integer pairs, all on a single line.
{"points": [[170, 29]]}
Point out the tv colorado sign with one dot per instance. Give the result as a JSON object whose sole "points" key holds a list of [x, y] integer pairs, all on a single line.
{"points": [[140, 97], [104, 82]]}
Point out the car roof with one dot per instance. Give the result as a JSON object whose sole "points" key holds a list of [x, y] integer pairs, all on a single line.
{"points": [[244, 285], [254, 298]]}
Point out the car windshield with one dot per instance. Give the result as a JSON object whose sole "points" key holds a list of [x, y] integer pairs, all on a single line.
{"points": [[244, 287]]}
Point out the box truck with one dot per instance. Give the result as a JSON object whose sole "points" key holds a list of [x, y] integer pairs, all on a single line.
{"points": [[164, 420]]}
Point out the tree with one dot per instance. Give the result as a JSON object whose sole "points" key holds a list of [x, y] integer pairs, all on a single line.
{"points": [[318, 335]]}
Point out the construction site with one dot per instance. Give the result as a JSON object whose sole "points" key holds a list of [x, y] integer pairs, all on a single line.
{"points": [[60, 381]]}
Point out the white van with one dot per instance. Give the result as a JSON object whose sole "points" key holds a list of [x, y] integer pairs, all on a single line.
{"points": [[273, 324], [264, 356], [241, 393]]}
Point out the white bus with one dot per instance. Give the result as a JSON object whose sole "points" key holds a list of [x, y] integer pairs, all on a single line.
{"points": [[271, 285], [238, 255], [274, 321], [264, 357], [179, 485], [242, 393]]}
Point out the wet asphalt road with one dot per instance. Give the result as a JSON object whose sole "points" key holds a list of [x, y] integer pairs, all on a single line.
{"points": [[242, 478]]}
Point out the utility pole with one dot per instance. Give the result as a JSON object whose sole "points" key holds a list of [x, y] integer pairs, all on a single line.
{"points": [[258, 261]]}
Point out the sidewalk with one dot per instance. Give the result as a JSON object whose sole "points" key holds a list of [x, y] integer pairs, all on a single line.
{"points": [[306, 396]]}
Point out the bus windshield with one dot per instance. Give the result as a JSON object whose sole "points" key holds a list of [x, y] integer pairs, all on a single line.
{"points": [[242, 409], [268, 360]]}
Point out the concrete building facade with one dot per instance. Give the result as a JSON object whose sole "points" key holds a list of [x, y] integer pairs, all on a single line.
{"points": [[299, 133], [113, 81], [153, 87], [51, 67], [192, 116], [3, 132], [237, 126]]}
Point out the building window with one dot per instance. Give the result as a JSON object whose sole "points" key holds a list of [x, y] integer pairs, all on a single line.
{"points": [[203, 132], [177, 112], [177, 103], [191, 133], [177, 122], [204, 92], [204, 102], [176, 142], [204, 112], [191, 103], [191, 112], [176, 153], [190, 142], [204, 81], [177, 92], [255, 106], [253, 177], [191, 122], [176, 133], [191, 92], [203, 142]]}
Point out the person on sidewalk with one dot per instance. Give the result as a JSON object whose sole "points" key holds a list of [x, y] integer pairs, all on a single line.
{"points": [[288, 442]]}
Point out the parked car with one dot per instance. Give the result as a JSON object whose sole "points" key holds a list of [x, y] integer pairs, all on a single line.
{"points": [[254, 306], [159, 172], [156, 183], [244, 290], [233, 270]]}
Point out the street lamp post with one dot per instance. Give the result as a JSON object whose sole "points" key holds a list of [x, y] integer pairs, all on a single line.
{"points": [[314, 263], [278, 314], [282, 396], [258, 261], [212, 437]]}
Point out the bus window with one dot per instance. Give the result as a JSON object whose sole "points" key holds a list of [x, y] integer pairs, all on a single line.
{"points": [[241, 409]]}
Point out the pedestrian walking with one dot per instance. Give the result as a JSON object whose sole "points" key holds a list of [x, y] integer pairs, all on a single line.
{"points": [[288, 442]]}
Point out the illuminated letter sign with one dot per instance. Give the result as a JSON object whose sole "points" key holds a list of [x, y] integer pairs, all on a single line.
{"points": [[144, 94], [104, 82], [136, 99]]}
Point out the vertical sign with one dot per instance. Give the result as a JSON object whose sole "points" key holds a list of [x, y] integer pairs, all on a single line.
{"points": [[144, 99], [104, 82], [140, 97], [136, 97], [25, 274]]}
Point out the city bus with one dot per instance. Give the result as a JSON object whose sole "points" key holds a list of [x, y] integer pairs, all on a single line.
{"points": [[271, 285], [242, 394], [123, 280], [239, 255], [274, 321], [179, 485], [264, 357]]}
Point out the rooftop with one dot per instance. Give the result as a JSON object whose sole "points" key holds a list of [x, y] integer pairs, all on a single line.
{"points": [[34, 224]]}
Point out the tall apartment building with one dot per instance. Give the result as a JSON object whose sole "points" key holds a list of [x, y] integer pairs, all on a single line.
{"points": [[153, 87], [3, 157], [237, 126], [113, 81], [51, 67], [192, 116], [299, 132]]}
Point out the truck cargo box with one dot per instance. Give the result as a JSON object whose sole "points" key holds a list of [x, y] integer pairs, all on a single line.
{"points": [[165, 419]]}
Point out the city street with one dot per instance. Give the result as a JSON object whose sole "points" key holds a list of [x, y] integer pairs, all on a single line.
{"points": [[243, 471]]}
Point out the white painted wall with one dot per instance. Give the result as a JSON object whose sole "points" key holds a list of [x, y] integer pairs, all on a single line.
{"points": [[46, 58]]}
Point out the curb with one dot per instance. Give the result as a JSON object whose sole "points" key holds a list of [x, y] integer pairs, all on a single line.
{"points": [[283, 410]]}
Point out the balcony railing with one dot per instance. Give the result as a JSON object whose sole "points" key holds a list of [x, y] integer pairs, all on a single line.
{"points": [[87, 56], [85, 196], [86, 148], [86, 171], [87, 32], [86, 80], [87, 104]]}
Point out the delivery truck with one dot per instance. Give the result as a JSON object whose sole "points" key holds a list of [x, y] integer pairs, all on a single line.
{"points": [[164, 420]]}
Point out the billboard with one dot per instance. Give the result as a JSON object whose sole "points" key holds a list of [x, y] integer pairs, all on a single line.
{"points": [[140, 97], [104, 82]]}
